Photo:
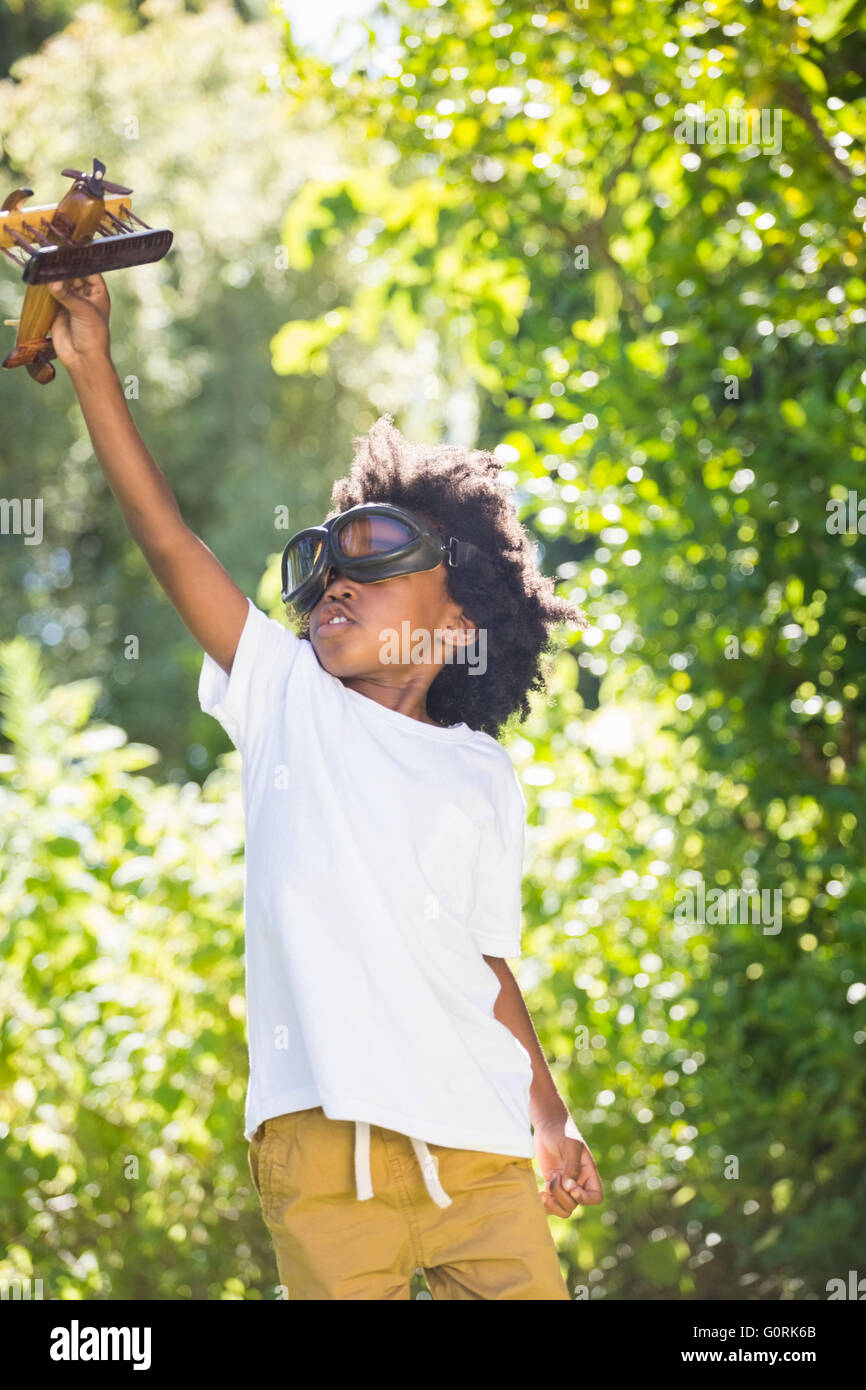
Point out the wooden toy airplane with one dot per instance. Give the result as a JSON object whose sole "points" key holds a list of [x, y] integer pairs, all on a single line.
{"points": [[58, 241]]}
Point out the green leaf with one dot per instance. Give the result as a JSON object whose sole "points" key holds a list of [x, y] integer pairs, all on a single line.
{"points": [[812, 75], [63, 847], [792, 413], [827, 16], [658, 1262], [296, 348]]}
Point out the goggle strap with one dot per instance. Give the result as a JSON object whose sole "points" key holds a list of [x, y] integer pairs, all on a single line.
{"points": [[460, 551]]}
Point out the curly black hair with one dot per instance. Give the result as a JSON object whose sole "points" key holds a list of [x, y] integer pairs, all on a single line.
{"points": [[459, 492]]}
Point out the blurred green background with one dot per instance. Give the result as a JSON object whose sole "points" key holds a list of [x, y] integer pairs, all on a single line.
{"points": [[479, 217]]}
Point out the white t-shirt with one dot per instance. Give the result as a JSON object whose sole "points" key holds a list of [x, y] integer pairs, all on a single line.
{"points": [[384, 858]]}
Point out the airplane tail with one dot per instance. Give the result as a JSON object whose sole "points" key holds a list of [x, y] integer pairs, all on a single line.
{"points": [[34, 355]]}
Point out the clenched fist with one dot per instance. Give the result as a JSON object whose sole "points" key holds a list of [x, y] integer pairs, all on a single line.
{"points": [[80, 332]]}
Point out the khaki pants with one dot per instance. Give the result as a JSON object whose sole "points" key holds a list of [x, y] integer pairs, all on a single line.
{"points": [[493, 1241]]}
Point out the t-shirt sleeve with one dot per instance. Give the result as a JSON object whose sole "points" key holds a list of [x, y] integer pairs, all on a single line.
{"points": [[496, 922], [266, 658]]}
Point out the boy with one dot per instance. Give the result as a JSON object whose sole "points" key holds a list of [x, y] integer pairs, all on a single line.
{"points": [[394, 1069]]}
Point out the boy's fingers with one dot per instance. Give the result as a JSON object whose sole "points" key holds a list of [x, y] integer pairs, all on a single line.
{"points": [[551, 1207], [91, 290], [562, 1203], [588, 1196]]}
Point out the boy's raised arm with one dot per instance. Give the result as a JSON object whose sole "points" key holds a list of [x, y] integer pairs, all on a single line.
{"points": [[209, 602]]}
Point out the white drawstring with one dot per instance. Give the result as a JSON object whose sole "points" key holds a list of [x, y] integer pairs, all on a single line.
{"points": [[363, 1177]]}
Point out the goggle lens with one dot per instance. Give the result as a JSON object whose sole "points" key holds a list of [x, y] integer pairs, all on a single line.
{"points": [[301, 558], [374, 535]]}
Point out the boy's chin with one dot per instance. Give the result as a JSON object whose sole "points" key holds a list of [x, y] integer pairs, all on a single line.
{"points": [[339, 663]]}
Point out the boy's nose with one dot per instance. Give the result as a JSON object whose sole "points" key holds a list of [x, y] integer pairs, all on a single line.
{"points": [[334, 576]]}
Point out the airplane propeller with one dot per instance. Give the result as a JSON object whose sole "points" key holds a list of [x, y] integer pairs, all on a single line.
{"points": [[94, 183]]}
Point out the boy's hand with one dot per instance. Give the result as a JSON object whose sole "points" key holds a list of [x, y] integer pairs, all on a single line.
{"points": [[80, 331], [567, 1165]]}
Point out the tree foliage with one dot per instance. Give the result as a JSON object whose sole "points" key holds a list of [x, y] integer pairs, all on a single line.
{"points": [[666, 332], [187, 111], [123, 1053], [513, 226]]}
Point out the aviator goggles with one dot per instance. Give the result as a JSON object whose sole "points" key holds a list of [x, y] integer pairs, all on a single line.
{"points": [[368, 543]]}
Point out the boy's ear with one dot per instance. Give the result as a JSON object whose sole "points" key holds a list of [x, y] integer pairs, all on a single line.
{"points": [[464, 632], [466, 620]]}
